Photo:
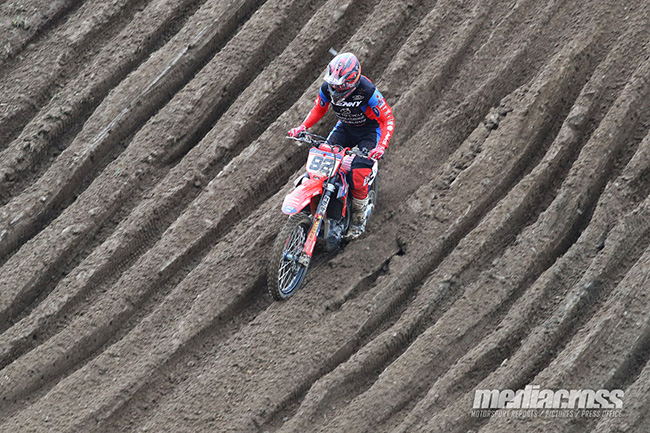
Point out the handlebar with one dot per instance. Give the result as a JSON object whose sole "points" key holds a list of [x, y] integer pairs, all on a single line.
{"points": [[309, 138], [316, 140]]}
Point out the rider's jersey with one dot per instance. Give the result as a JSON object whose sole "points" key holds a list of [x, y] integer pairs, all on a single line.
{"points": [[365, 107]]}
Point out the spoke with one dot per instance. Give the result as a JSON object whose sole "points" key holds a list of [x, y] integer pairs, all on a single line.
{"points": [[289, 268]]}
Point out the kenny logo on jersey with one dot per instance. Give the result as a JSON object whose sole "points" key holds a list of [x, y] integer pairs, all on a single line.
{"points": [[347, 104]]}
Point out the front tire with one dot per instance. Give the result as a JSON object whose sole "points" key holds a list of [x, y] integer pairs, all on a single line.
{"points": [[373, 195], [284, 273]]}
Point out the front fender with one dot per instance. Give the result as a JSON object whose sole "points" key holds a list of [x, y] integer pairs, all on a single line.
{"points": [[300, 197]]}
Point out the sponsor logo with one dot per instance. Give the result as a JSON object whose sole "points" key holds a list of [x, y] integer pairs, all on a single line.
{"points": [[324, 203], [314, 228], [352, 120], [357, 98], [313, 233], [348, 104], [376, 111]]}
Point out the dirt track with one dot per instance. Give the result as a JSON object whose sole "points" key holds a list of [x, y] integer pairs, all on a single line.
{"points": [[142, 167]]}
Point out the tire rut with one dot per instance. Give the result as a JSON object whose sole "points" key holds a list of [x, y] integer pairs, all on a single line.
{"points": [[148, 153], [596, 153], [188, 300], [466, 374], [66, 51], [262, 416], [118, 117], [625, 349], [553, 313], [447, 127], [31, 27], [53, 129], [259, 417]]}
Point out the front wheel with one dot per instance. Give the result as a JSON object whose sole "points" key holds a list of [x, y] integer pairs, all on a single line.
{"points": [[284, 272], [373, 197]]}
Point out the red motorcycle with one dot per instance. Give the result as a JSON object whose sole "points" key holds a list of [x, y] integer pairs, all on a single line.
{"points": [[319, 212]]}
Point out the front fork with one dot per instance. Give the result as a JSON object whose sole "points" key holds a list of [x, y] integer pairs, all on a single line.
{"points": [[310, 243]]}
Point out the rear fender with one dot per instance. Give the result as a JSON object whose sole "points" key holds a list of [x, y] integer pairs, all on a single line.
{"points": [[300, 197]]}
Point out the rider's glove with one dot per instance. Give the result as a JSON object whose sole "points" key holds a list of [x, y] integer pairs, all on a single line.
{"points": [[346, 163], [295, 132], [377, 152]]}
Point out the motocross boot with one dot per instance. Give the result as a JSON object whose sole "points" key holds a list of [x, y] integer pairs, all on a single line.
{"points": [[358, 218]]}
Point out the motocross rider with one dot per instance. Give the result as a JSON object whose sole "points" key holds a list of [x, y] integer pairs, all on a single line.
{"points": [[364, 119]]}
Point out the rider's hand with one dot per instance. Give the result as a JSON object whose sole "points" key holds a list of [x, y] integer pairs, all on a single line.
{"points": [[346, 163], [295, 132], [377, 152]]}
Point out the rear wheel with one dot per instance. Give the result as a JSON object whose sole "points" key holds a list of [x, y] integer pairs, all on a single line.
{"points": [[284, 273]]}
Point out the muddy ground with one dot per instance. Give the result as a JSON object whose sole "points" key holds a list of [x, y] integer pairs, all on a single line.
{"points": [[142, 168]]}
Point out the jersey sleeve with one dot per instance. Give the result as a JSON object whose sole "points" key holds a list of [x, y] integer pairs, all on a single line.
{"points": [[321, 105], [379, 110]]}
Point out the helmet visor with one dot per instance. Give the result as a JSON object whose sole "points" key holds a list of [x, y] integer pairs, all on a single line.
{"points": [[341, 92], [339, 89]]}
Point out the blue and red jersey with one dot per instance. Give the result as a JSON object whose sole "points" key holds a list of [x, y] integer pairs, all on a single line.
{"points": [[365, 108]]}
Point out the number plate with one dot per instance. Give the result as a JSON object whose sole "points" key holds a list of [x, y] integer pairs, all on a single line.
{"points": [[321, 164]]}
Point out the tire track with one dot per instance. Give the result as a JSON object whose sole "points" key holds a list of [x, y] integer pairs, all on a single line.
{"points": [[209, 358], [597, 166], [440, 72], [57, 58], [257, 416], [228, 309], [441, 132], [634, 413], [115, 120], [596, 153], [200, 312], [207, 317], [628, 347], [144, 154], [493, 351], [548, 315], [27, 29], [198, 309], [30, 154], [480, 41], [511, 246]]}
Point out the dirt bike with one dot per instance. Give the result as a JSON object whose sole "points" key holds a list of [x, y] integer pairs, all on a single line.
{"points": [[319, 213]]}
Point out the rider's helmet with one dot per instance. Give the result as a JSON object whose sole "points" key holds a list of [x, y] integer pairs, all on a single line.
{"points": [[342, 76]]}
